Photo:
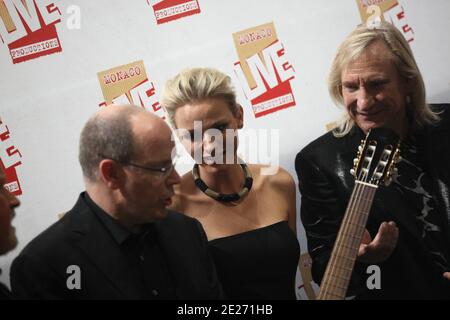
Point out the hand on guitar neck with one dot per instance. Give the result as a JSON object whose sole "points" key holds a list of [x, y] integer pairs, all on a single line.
{"points": [[374, 165], [381, 247]]}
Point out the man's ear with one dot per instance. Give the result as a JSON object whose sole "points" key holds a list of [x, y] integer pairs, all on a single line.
{"points": [[240, 116], [110, 173]]}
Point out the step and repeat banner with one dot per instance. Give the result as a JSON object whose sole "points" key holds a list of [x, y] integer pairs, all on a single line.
{"points": [[60, 61]]}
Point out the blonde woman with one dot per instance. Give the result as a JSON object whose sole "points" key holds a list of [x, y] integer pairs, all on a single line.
{"points": [[249, 217]]}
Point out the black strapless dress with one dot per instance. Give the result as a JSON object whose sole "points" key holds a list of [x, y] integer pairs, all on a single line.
{"points": [[258, 264]]}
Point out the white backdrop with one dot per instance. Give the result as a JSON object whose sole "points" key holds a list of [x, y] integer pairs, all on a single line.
{"points": [[45, 101]]}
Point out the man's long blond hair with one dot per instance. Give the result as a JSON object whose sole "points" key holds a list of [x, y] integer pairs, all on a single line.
{"points": [[353, 46]]}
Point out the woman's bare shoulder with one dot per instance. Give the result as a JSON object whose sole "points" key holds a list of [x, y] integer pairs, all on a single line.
{"points": [[275, 176]]}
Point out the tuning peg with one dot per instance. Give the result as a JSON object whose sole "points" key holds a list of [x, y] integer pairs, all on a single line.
{"points": [[360, 148], [355, 162], [397, 156], [353, 172], [395, 172], [388, 181]]}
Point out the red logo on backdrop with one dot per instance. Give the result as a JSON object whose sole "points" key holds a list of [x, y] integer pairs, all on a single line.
{"points": [[396, 16], [263, 70], [10, 158], [169, 10], [129, 84], [388, 10], [28, 27]]}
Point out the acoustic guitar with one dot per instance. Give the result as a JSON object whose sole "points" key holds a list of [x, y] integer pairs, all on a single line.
{"points": [[374, 165]]}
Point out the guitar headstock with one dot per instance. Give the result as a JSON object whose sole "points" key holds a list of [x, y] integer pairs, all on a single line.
{"points": [[376, 157]]}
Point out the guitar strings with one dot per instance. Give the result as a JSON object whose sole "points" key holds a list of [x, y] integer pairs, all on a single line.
{"points": [[332, 266], [356, 207]]}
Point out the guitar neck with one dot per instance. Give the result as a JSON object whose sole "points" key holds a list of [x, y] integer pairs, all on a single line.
{"points": [[340, 266]]}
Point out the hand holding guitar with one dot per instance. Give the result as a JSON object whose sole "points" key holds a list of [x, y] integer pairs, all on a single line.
{"points": [[381, 247], [374, 164]]}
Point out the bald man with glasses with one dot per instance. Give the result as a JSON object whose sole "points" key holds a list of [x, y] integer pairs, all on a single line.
{"points": [[119, 241]]}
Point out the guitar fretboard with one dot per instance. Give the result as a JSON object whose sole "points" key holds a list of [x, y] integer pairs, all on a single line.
{"points": [[340, 267]]}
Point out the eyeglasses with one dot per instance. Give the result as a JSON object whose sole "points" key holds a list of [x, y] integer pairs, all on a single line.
{"points": [[163, 171], [159, 171]]}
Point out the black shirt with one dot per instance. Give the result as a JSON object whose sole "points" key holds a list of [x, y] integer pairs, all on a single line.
{"points": [[143, 254]]}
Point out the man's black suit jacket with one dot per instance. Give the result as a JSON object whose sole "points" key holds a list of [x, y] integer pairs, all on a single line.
{"points": [[323, 169], [4, 292], [80, 239]]}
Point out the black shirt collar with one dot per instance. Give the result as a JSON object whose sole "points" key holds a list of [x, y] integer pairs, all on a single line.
{"points": [[117, 231]]}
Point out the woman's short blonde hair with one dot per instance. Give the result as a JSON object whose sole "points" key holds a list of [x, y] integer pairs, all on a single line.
{"points": [[195, 85], [353, 46]]}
